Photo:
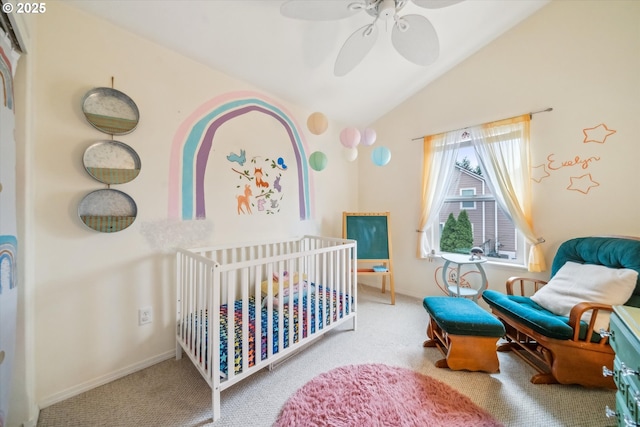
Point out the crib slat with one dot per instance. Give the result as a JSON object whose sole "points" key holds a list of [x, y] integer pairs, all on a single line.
{"points": [[231, 325], [245, 319], [316, 279], [214, 371], [280, 313], [257, 342], [270, 270]]}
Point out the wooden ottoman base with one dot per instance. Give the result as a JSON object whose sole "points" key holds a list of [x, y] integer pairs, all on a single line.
{"points": [[463, 352]]}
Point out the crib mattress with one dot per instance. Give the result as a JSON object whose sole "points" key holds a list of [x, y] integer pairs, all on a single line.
{"points": [[326, 296]]}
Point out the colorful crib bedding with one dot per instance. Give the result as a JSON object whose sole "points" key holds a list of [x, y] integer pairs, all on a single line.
{"points": [[326, 295]]}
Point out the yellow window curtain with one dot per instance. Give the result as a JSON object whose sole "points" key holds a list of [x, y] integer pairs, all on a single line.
{"points": [[439, 157], [502, 148]]}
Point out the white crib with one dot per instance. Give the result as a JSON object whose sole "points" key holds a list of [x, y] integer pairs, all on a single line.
{"points": [[284, 294]]}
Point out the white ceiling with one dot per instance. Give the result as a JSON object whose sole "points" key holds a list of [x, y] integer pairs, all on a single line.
{"points": [[293, 59]]}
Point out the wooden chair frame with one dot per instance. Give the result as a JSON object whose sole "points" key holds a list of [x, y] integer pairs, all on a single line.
{"points": [[572, 361]]}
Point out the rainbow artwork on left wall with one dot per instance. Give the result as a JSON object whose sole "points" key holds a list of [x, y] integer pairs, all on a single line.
{"points": [[192, 147], [6, 73], [8, 271]]}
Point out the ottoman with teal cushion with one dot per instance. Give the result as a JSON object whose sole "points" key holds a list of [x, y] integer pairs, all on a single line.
{"points": [[465, 333]]}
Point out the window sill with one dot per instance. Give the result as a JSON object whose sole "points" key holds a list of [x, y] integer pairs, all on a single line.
{"points": [[490, 261], [508, 265]]}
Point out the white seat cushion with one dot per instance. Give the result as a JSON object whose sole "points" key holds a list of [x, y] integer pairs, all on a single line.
{"points": [[574, 283]]}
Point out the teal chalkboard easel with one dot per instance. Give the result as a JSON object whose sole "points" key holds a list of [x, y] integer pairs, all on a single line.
{"points": [[372, 232]]}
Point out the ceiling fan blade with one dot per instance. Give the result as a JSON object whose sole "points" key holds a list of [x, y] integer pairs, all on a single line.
{"points": [[414, 37], [355, 49], [436, 4], [318, 10]]}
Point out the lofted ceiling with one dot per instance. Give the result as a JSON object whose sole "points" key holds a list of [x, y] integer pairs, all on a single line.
{"points": [[294, 59]]}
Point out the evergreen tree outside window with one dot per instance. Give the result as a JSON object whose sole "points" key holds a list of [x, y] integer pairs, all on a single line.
{"points": [[448, 240], [457, 234], [464, 233]]}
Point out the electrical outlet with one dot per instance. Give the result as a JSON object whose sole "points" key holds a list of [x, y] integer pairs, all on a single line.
{"points": [[145, 315]]}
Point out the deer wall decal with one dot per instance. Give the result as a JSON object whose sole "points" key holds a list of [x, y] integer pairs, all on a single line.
{"points": [[243, 200]]}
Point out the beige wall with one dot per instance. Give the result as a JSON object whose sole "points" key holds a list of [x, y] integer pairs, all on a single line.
{"points": [[580, 57], [88, 286]]}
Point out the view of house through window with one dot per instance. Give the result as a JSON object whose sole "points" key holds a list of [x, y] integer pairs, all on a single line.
{"points": [[471, 217]]}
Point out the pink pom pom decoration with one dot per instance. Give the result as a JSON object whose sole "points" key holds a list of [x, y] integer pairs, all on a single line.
{"points": [[350, 137]]}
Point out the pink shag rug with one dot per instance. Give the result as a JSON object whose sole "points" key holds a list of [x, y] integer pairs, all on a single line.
{"points": [[380, 395]]}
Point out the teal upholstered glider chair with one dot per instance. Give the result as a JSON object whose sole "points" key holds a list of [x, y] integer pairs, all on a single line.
{"points": [[556, 326]]}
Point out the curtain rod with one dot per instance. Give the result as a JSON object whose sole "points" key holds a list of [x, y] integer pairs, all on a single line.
{"points": [[466, 127]]}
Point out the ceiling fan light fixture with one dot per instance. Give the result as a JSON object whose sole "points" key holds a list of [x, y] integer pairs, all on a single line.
{"points": [[387, 9]]}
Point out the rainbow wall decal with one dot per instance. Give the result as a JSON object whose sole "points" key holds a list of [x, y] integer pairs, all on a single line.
{"points": [[6, 74], [8, 270], [192, 144]]}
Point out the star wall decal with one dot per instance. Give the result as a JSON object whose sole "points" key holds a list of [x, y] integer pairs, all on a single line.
{"points": [[582, 183], [538, 173], [597, 134]]}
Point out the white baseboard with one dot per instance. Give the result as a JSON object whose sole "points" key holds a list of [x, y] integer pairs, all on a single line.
{"points": [[86, 386]]}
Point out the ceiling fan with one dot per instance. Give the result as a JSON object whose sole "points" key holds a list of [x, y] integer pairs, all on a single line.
{"points": [[413, 36]]}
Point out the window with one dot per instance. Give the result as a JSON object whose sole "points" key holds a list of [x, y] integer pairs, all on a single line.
{"points": [[491, 229], [466, 193], [477, 183]]}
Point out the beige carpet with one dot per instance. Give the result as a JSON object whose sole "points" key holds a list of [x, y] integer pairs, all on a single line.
{"points": [[172, 393]]}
